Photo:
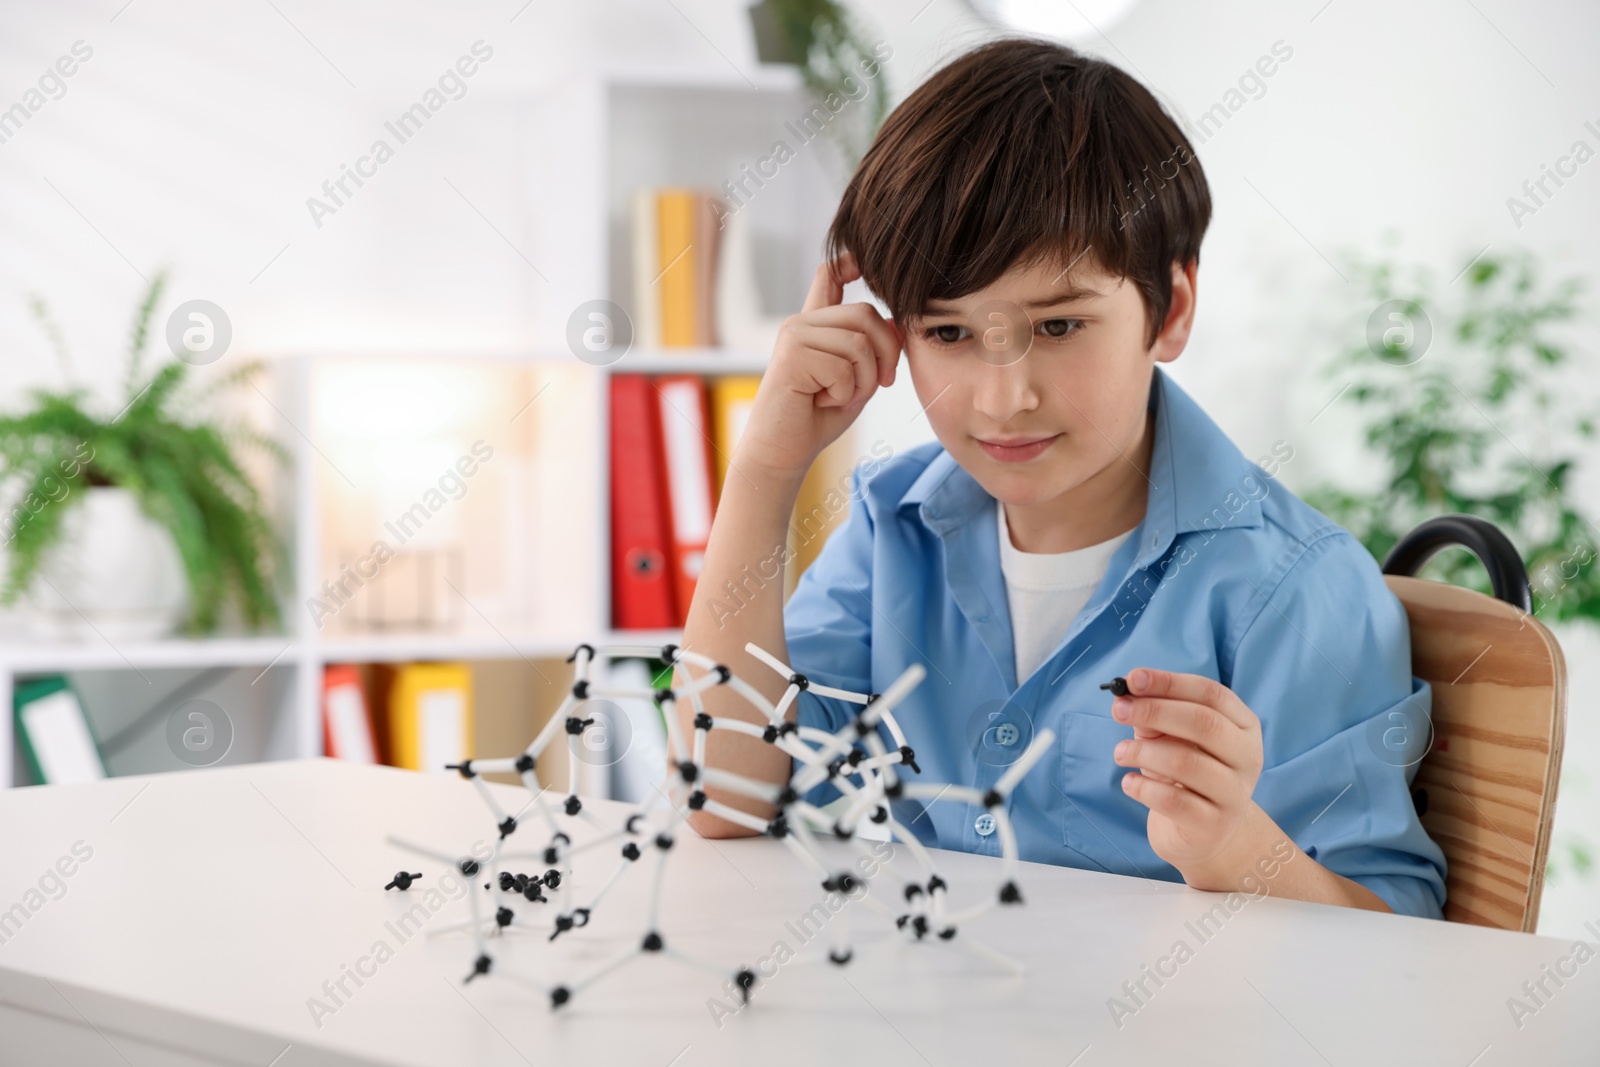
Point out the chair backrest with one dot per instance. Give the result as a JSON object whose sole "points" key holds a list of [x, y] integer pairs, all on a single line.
{"points": [[1488, 781]]}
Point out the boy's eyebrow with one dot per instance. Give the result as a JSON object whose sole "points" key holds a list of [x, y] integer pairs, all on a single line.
{"points": [[1064, 296], [1060, 296]]}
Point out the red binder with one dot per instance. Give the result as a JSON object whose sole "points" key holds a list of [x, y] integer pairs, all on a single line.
{"points": [[686, 443], [346, 723], [641, 581]]}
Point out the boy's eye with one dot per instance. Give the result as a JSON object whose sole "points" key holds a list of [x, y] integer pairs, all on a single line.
{"points": [[1060, 328], [947, 333], [951, 333]]}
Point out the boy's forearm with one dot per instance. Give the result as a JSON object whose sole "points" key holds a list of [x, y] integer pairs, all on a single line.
{"points": [[1312, 881], [1266, 856], [747, 548]]}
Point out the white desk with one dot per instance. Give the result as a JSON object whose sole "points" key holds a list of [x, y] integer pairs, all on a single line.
{"points": [[216, 902]]}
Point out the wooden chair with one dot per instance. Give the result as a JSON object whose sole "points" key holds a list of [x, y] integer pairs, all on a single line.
{"points": [[1486, 787]]}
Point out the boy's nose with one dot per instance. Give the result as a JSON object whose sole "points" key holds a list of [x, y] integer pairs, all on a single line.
{"points": [[1001, 392]]}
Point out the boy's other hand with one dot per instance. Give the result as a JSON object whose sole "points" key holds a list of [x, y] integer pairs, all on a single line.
{"points": [[828, 361], [1208, 756]]}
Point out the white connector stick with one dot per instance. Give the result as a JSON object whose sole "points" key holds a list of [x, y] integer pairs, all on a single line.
{"points": [[871, 783]]}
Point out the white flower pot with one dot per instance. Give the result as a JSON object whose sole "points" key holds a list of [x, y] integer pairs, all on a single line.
{"points": [[115, 574]]}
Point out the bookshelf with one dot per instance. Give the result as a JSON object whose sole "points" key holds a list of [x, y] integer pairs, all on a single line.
{"points": [[528, 536]]}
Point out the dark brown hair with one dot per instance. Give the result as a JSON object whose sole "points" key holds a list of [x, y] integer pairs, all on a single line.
{"points": [[1022, 152]]}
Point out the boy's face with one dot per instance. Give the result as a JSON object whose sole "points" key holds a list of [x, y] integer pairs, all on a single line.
{"points": [[1036, 389]]}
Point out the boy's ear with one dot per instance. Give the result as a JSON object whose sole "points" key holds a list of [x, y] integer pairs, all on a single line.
{"points": [[1174, 335]]}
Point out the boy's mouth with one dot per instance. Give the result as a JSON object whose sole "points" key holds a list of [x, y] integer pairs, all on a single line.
{"points": [[1015, 449]]}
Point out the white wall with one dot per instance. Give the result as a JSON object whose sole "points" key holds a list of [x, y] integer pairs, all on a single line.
{"points": [[195, 133]]}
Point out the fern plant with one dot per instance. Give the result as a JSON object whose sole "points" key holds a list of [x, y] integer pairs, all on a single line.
{"points": [[183, 470], [1474, 422]]}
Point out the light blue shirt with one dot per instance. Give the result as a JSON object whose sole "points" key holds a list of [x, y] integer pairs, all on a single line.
{"points": [[1229, 575]]}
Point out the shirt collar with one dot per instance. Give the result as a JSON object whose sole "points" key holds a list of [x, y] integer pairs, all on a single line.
{"points": [[1197, 478]]}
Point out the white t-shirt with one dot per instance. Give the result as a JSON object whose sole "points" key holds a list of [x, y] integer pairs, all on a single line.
{"points": [[1046, 591]]}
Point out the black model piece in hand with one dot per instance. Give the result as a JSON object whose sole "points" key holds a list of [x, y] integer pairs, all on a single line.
{"points": [[1117, 685]]}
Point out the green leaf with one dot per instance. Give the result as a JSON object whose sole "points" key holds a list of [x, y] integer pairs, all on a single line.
{"points": [[1480, 426], [1483, 272], [181, 466], [139, 335]]}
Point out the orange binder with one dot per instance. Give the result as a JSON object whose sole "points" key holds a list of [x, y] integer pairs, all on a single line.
{"points": [[686, 444], [346, 723], [641, 577]]}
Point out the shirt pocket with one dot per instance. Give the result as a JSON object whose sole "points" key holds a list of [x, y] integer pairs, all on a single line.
{"points": [[1097, 818]]}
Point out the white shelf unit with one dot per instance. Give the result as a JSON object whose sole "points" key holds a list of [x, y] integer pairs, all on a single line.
{"points": [[587, 144]]}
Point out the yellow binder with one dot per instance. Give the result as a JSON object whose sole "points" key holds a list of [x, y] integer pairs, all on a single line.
{"points": [[675, 224], [430, 715], [731, 399], [822, 505]]}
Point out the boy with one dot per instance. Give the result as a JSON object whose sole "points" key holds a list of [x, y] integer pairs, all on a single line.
{"points": [[1032, 220]]}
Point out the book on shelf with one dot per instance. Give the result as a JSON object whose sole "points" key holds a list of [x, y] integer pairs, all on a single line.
{"points": [[672, 439], [675, 243], [685, 440], [641, 580], [54, 733], [732, 397], [347, 731], [429, 713]]}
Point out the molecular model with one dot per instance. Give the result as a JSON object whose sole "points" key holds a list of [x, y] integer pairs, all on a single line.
{"points": [[868, 775]]}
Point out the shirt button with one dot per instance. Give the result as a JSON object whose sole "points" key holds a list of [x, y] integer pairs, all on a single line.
{"points": [[984, 824], [1007, 734]]}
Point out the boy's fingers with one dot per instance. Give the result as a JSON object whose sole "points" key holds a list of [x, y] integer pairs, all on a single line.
{"points": [[825, 291], [1148, 681], [1181, 763], [1144, 734], [849, 345], [827, 284], [1166, 799], [865, 318], [1198, 724], [886, 342]]}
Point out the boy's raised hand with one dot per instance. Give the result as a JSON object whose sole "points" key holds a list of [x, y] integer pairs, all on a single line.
{"points": [[828, 361], [1208, 742]]}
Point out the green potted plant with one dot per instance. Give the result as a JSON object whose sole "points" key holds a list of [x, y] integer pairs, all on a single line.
{"points": [[1462, 397], [835, 60], [133, 522]]}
